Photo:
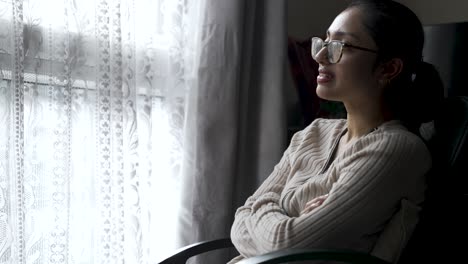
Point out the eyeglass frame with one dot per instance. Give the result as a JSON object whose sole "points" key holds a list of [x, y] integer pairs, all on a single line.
{"points": [[343, 45]]}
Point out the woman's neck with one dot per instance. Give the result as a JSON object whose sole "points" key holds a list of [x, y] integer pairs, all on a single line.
{"points": [[361, 125], [364, 119]]}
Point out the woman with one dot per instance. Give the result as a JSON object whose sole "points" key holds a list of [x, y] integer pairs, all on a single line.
{"points": [[341, 183]]}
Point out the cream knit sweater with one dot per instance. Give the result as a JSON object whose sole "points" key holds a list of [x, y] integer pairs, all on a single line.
{"points": [[365, 183]]}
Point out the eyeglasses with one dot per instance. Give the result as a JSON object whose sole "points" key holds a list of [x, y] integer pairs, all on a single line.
{"points": [[334, 49]]}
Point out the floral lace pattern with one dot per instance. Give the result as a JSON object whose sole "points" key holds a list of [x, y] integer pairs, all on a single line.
{"points": [[92, 107]]}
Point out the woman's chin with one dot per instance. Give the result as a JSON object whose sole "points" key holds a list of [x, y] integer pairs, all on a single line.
{"points": [[323, 92]]}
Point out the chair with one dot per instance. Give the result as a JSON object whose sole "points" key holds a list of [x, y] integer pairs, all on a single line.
{"points": [[288, 255], [442, 228], [443, 222], [181, 255]]}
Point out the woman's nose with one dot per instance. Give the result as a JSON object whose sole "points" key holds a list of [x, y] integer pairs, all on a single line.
{"points": [[322, 56]]}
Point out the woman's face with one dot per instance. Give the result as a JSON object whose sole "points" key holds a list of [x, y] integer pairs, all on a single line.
{"points": [[352, 80]]}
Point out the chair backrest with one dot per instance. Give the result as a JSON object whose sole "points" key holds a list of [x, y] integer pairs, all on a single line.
{"points": [[443, 226], [451, 144]]}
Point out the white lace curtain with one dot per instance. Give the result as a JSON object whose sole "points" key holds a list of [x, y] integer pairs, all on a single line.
{"points": [[92, 109]]}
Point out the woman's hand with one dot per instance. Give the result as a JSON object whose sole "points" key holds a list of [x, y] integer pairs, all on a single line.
{"points": [[314, 203]]}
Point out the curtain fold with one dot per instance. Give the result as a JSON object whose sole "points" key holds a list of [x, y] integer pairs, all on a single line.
{"points": [[235, 122]]}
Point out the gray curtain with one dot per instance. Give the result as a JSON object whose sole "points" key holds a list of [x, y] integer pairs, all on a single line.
{"points": [[236, 120]]}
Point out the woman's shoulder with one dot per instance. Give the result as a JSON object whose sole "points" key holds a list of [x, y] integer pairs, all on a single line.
{"points": [[394, 136], [321, 121], [326, 123], [321, 128], [395, 130]]}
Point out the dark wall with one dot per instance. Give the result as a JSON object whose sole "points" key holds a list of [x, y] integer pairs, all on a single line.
{"points": [[446, 47]]}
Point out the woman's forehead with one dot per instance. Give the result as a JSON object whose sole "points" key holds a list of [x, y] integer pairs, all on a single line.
{"points": [[349, 24]]}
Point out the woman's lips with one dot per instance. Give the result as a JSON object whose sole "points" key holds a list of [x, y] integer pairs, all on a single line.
{"points": [[324, 76]]}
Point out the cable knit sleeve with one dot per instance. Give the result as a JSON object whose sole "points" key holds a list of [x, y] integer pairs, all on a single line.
{"points": [[374, 175], [273, 185]]}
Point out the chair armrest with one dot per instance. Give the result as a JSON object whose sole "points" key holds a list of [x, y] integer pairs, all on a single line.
{"points": [[292, 255], [183, 254]]}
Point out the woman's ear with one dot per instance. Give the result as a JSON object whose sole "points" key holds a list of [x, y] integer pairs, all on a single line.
{"points": [[390, 69]]}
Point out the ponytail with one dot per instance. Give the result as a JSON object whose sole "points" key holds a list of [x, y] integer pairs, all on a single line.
{"points": [[421, 99]]}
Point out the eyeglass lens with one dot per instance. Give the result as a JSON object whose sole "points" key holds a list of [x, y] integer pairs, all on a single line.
{"points": [[333, 49]]}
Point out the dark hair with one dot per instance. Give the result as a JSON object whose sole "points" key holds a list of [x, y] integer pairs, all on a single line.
{"points": [[398, 33]]}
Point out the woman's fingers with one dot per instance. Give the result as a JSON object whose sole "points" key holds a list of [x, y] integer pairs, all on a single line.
{"points": [[311, 206], [314, 203], [318, 199], [315, 200]]}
